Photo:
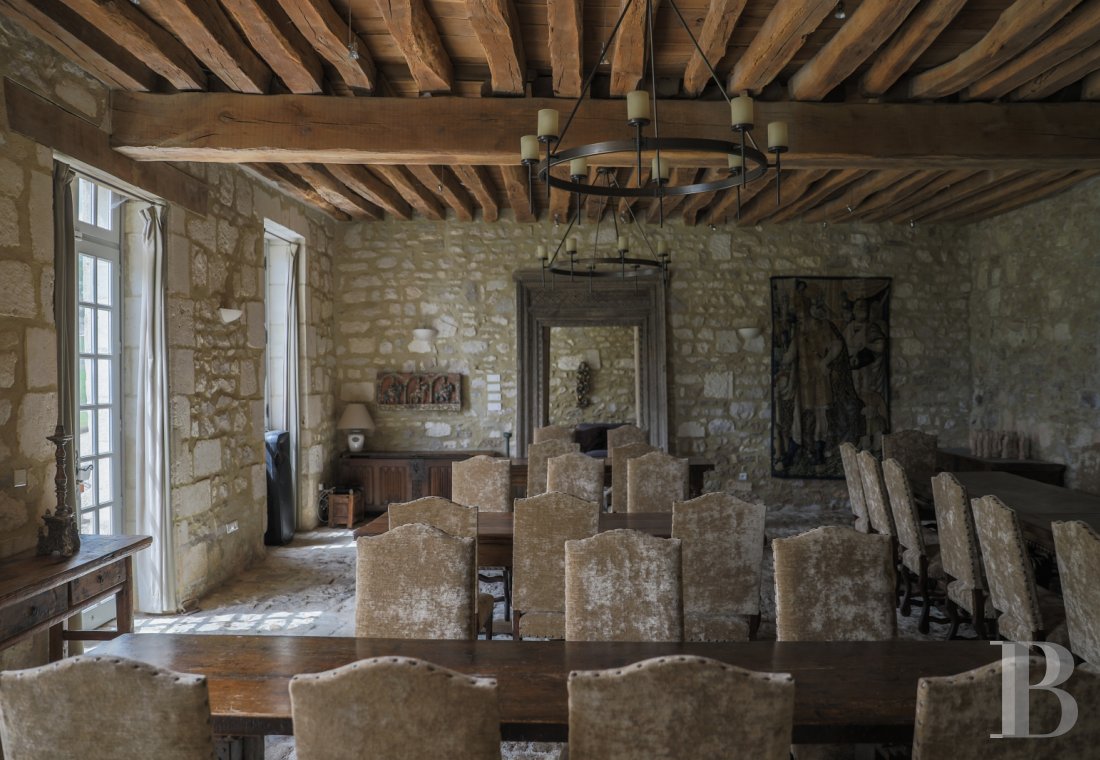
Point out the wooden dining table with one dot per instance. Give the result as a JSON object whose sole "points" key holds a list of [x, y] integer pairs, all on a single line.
{"points": [[844, 691]]}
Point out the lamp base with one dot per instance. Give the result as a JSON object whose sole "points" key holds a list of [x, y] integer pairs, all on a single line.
{"points": [[355, 442]]}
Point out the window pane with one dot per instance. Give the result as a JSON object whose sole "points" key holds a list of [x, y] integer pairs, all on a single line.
{"points": [[105, 480], [103, 331], [105, 522], [87, 493], [86, 338], [103, 269], [87, 522], [87, 381], [103, 382], [85, 446], [85, 279], [103, 432], [85, 192], [104, 198]]}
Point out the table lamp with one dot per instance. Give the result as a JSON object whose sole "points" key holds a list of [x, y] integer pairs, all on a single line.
{"points": [[357, 421]]}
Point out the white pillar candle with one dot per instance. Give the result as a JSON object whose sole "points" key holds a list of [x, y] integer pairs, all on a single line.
{"points": [[777, 134], [541, 250], [734, 161], [529, 147], [741, 111], [637, 105], [660, 168], [578, 167], [621, 244], [548, 122], [571, 245]]}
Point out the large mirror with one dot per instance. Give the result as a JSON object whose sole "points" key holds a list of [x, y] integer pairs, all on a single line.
{"points": [[631, 312]]}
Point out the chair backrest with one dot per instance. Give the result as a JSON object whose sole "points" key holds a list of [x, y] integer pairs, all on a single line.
{"points": [[101, 708], [722, 549], [391, 707], [416, 582], [654, 481], [874, 495], [620, 455], [834, 584], [915, 451], [449, 517], [848, 457], [959, 553], [902, 507], [623, 585], [542, 525], [1008, 570], [1077, 547], [537, 456], [956, 716], [484, 482], [720, 711], [576, 474], [625, 434], [553, 433]]}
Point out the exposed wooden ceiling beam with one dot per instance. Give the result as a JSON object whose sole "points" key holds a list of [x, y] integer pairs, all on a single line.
{"points": [[519, 198], [1057, 77], [143, 37], [919, 206], [629, 179], [724, 208], [718, 25], [418, 196], [815, 194], [780, 37], [897, 210], [680, 176], [853, 195], [361, 181], [205, 29], [336, 192], [231, 128], [565, 29], [916, 35], [886, 198], [416, 36], [696, 203], [763, 205], [272, 34], [561, 202], [442, 181], [1026, 197], [1090, 88], [101, 56], [296, 187], [870, 25], [1018, 26], [496, 25], [319, 23], [629, 56], [994, 195], [477, 181]]}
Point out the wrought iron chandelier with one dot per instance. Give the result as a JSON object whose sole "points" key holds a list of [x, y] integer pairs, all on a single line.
{"points": [[745, 162]]}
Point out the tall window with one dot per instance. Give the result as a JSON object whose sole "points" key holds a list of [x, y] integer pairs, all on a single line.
{"points": [[99, 357]]}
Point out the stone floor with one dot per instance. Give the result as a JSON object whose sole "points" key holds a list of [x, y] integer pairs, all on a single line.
{"points": [[307, 588]]}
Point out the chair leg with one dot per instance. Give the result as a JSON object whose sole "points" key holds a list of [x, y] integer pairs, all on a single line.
{"points": [[926, 602], [978, 605], [953, 614], [516, 615], [754, 626], [906, 605], [507, 575]]}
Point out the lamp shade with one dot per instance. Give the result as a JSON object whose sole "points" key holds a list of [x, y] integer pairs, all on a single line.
{"points": [[355, 417]]}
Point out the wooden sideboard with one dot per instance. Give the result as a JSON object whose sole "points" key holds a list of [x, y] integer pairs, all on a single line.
{"points": [[392, 476]]}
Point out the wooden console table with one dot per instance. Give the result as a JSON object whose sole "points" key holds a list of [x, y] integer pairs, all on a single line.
{"points": [[39, 593], [961, 460], [395, 476]]}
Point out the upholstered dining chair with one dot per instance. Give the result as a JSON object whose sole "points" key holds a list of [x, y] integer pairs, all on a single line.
{"points": [[848, 457], [722, 546], [484, 482], [916, 453], [625, 434], [416, 581], [834, 584], [1077, 547], [654, 481], [552, 433], [620, 455], [1027, 612], [576, 474], [537, 456], [920, 557], [874, 495], [623, 585], [679, 706], [958, 715], [394, 707], [542, 525], [959, 554], [102, 708]]}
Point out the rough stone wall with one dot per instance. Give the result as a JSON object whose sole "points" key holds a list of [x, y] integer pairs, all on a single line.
{"points": [[609, 352], [457, 277], [1035, 329]]}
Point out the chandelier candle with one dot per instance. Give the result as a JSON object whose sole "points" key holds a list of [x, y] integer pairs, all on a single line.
{"points": [[637, 107]]}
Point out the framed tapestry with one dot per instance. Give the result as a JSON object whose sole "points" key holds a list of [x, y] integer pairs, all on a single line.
{"points": [[830, 371], [419, 390]]}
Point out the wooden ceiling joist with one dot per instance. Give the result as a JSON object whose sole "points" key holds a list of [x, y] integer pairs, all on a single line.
{"points": [[994, 195], [691, 207], [296, 187], [942, 197], [477, 181], [863, 33], [629, 178], [886, 197], [418, 196], [519, 196], [763, 205], [629, 55], [360, 180], [496, 25], [319, 23], [1019, 26], [816, 193], [205, 29], [680, 177], [854, 194], [271, 33], [1090, 88], [565, 30], [336, 192], [724, 208], [780, 37], [718, 25], [1026, 197], [442, 181], [924, 190], [1062, 75], [920, 30], [416, 36]]}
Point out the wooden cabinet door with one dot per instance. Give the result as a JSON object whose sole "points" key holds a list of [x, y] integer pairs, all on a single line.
{"points": [[439, 479], [394, 482]]}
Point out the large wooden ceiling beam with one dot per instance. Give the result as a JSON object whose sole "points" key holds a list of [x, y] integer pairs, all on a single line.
{"points": [[230, 128], [1020, 25], [916, 35], [143, 37], [629, 56], [203, 26], [418, 196], [319, 23], [1025, 197], [82, 43], [853, 195], [296, 187], [1062, 75], [336, 192], [519, 197], [718, 25], [272, 34], [870, 25], [477, 181], [496, 25], [361, 181], [818, 192], [565, 29], [443, 181], [780, 37], [416, 36]]}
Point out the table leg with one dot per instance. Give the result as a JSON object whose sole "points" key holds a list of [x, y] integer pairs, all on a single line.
{"points": [[124, 601], [239, 747], [57, 642]]}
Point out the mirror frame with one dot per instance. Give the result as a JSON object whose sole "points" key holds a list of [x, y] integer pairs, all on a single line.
{"points": [[558, 302]]}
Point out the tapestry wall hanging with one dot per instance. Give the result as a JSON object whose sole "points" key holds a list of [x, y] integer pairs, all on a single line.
{"points": [[830, 371], [420, 390]]}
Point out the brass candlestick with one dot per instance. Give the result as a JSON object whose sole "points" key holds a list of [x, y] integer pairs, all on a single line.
{"points": [[59, 534]]}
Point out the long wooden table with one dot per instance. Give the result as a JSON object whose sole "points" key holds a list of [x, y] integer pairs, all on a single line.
{"points": [[697, 472], [495, 531], [962, 460], [844, 691]]}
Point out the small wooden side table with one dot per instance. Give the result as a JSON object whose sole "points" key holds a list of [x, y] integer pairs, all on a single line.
{"points": [[346, 508]]}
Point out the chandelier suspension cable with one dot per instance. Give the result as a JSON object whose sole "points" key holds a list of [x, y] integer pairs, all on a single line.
{"points": [[659, 168]]}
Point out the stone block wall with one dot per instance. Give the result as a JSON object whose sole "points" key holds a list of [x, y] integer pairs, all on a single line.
{"points": [[609, 352]]}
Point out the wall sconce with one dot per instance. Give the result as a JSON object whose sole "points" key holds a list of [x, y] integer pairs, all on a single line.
{"points": [[748, 333], [229, 315]]}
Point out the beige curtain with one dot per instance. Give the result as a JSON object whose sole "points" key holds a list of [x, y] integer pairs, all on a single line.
{"points": [[64, 314]]}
